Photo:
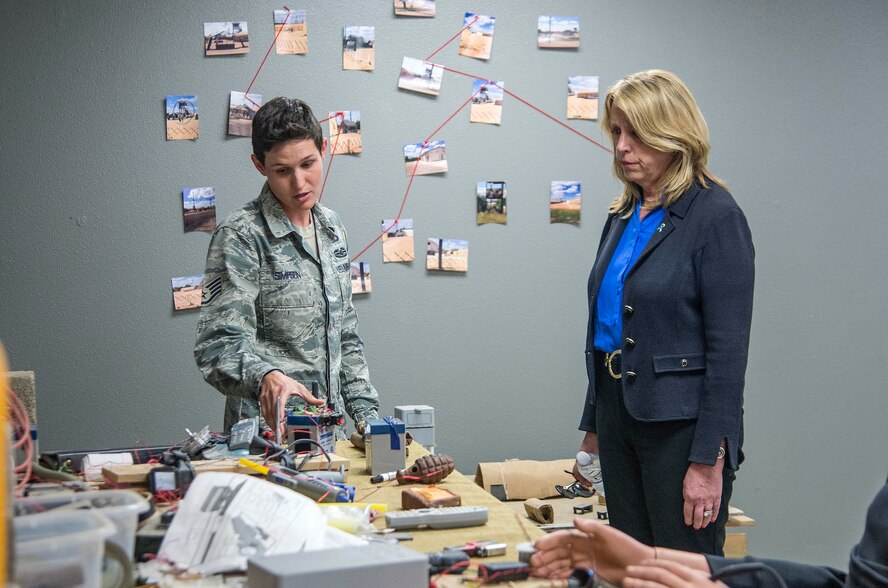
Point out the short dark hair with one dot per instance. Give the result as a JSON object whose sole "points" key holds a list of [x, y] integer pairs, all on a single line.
{"points": [[281, 120]]}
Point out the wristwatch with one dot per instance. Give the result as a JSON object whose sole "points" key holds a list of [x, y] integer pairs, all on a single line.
{"points": [[721, 453]]}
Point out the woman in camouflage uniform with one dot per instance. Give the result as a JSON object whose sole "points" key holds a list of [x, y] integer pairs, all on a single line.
{"points": [[277, 324]]}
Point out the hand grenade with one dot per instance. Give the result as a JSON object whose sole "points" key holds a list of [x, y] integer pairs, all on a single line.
{"points": [[428, 469]]}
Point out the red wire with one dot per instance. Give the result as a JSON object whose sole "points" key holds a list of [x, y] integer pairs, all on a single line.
{"points": [[425, 143], [22, 425], [488, 579], [451, 116], [526, 103], [341, 116], [403, 202], [454, 37], [413, 175], [456, 566], [430, 474], [139, 443], [278, 34]]}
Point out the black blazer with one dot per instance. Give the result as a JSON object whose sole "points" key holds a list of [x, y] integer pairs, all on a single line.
{"points": [[686, 317]]}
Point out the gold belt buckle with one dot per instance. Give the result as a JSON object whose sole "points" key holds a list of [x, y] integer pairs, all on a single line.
{"points": [[608, 358]]}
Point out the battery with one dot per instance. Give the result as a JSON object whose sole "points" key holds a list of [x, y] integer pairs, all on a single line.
{"points": [[320, 428]]}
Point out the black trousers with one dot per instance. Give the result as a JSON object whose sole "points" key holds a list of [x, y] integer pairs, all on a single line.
{"points": [[643, 465]]}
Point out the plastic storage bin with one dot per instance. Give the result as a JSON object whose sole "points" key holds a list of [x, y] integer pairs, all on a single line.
{"points": [[420, 422], [60, 548], [122, 507]]}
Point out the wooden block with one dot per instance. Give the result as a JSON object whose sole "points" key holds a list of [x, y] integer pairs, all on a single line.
{"points": [[539, 511], [735, 545], [320, 463], [740, 521], [429, 497], [138, 473]]}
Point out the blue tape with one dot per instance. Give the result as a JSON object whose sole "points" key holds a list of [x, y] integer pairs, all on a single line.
{"points": [[393, 433]]}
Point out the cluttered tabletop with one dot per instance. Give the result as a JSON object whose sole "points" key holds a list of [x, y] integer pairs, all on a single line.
{"points": [[408, 511]]}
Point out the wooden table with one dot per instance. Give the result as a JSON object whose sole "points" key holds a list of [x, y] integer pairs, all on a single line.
{"points": [[735, 540], [507, 522], [503, 525]]}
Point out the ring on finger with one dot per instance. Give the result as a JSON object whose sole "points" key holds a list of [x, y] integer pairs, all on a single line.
{"points": [[707, 513]]}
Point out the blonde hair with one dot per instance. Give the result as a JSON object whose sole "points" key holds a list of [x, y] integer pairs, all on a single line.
{"points": [[665, 116]]}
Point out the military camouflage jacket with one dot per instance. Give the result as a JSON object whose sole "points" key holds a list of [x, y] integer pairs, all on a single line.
{"points": [[269, 302]]}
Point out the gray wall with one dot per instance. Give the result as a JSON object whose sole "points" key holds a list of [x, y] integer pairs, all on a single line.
{"points": [[91, 227]]}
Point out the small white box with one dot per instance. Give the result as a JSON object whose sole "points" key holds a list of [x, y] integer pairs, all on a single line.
{"points": [[93, 463], [420, 422], [385, 446], [416, 415]]}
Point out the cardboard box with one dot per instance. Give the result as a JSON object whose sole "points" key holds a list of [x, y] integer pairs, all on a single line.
{"points": [[522, 479]]}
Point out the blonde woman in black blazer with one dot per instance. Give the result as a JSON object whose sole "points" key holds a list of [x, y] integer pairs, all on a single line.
{"points": [[670, 307]]}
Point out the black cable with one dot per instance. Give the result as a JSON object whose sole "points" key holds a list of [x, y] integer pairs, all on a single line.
{"points": [[742, 569], [310, 455], [313, 442], [307, 456]]}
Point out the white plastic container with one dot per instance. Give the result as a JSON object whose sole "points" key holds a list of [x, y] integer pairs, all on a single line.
{"points": [[122, 507], [60, 548], [420, 422]]}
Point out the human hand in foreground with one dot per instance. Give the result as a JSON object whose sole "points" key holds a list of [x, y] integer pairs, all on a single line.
{"points": [[660, 573], [702, 489], [276, 388], [589, 545]]}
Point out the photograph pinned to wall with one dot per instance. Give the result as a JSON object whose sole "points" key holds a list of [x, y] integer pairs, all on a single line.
{"points": [[397, 240], [558, 32], [582, 97], [420, 76], [490, 198], [293, 39], [226, 38], [423, 159], [360, 277], [199, 209], [424, 8], [564, 203], [241, 110], [477, 40], [181, 118], [345, 132], [447, 255], [187, 292], [487, 102], [358, 48]]}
